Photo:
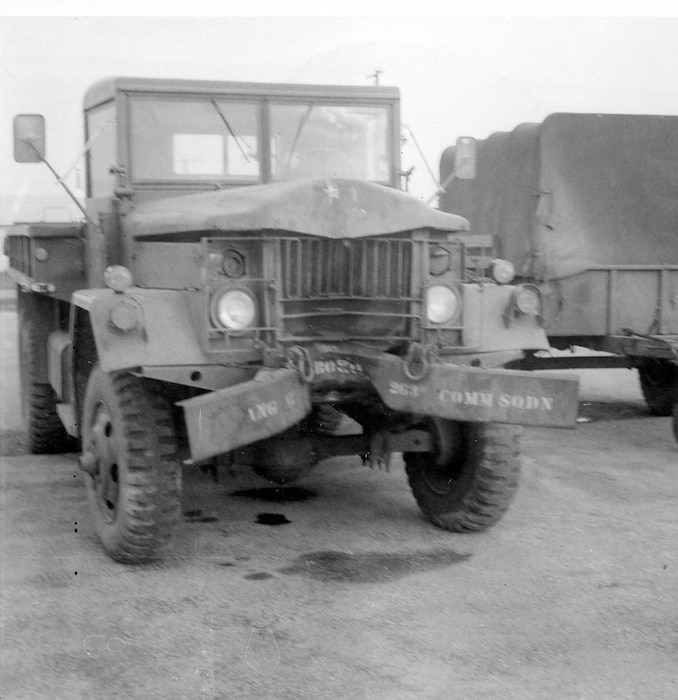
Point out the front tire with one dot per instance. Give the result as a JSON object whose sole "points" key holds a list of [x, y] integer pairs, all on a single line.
{"points": [[468, 483], [131, 463]]}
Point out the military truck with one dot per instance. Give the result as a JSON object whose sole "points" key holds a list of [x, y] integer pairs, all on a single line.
{"points": [[585, 206], [249, 275]]}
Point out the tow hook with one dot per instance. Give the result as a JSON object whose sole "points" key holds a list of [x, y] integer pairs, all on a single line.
{"points": [[300, 359], [417, 362], [88, 463]]}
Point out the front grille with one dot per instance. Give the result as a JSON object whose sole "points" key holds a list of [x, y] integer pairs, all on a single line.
{"points": [[346, 288], [367, 268]]}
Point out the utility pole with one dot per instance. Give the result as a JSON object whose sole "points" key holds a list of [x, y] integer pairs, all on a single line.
{"points": [[375, 75]]}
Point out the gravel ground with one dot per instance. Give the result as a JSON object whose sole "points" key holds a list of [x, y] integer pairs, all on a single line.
{"points": [[572, 595]]}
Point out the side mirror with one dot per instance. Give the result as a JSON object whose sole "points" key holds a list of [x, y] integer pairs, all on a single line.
{"points": [[29, 138], [465, 158]]}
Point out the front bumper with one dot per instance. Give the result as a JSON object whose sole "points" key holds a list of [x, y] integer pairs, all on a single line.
{"points": [[480, 395], [221, 421], [275, 400]]}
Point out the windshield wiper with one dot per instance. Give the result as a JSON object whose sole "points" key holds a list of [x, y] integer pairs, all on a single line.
{"points": [[297, 136], [230, 129]]}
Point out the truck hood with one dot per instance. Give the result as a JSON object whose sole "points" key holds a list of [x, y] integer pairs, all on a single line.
{"points": [[334, 208]]}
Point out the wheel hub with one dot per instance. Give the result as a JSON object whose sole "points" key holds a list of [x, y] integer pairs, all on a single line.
{"points": [[102, 460], [443, 472], [439, 479]]}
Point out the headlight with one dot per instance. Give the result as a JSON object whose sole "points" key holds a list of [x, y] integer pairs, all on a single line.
{"points": [[235, 309], [118, 278], [442, 304], [527, 301], [502, 271]]}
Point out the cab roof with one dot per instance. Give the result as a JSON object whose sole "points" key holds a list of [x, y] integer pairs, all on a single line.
{"points": [[105, 90]]}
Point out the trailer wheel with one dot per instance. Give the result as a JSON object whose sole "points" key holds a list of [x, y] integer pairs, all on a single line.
{"points": [[45, 433], [659, 384], [131, 464], [470, 480]]}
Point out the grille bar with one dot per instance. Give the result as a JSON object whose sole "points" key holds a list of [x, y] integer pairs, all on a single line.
{"points": [[341, 312], [323, 268]]}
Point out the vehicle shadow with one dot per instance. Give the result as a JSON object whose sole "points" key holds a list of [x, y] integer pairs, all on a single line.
{"points": [[596, 411]]}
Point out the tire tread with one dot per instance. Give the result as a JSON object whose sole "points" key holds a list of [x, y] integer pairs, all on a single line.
{"points": [[659, 384], [152, 474], [487, 487]]}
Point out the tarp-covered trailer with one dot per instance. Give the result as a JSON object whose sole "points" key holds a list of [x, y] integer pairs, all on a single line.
{"points": [[586, 207]]}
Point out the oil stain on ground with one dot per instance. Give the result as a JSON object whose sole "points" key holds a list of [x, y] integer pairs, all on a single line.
{"points": [[344, 567], [271, 519]]}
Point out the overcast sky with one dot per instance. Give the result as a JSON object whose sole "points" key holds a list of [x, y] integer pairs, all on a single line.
{"points": [[457, 75]]}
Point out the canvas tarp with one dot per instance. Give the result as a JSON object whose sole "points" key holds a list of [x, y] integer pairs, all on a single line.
{"points": [[335, 208], [576, 192]]}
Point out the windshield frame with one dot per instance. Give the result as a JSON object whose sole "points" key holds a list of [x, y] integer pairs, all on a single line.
{"points": [[263, 96]]}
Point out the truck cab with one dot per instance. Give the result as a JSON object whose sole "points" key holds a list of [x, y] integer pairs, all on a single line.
{"points": [[248, 278], [154, 139]]}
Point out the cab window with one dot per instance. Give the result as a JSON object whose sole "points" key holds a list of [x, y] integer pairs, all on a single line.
{"points": [[311, 140], [194, 140]]}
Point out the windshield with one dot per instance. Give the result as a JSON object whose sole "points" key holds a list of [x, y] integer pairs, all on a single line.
{"points": [[216, 140], [320, 140], [201, 139]]}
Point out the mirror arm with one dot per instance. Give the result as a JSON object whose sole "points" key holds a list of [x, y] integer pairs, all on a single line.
{"points": [[442, 188], [60, 180], [421, 154]]}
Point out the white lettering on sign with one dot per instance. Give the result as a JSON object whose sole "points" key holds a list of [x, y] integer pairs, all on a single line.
{"points": [[401, 389], [338, 366], [526, 403], [466, 398], [522, 402], [262, 411]]}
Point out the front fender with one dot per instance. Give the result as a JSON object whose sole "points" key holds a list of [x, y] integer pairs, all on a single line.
{"points": [[160, 332]]}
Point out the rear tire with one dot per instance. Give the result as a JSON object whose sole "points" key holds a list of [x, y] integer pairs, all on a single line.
{"points": [[132, 467], [45, 433], [469, 482], [659, 384]]}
